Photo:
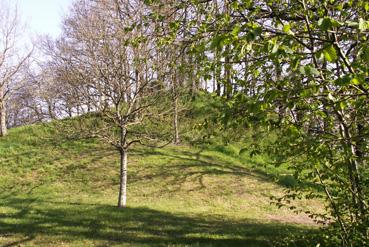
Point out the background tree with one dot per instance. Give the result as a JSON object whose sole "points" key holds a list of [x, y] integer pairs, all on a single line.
{"points": [[12, 62], [299, 67]]}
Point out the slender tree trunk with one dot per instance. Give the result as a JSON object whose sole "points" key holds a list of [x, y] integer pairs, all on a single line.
{"points": [[15, 118], [78, 110], [353, 167], [70, 113], [214, 81], [122, 198], [50, 109], [227, 65], [192, 77], [218, 67], [217, 74], [219, 87], [88, 105], [175, 108], [3, 128], [360, 158], [175, 121], [278, 76], [227, 75]]}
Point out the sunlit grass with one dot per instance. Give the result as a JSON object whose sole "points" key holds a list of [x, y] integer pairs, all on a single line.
{"points": [[58, 192]]}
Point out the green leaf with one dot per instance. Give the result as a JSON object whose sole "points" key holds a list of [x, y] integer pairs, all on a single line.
{"points": [[363, 25], [352, 23], [366, 6], [287, 49], [330, 54], [357, 80], [309, 70], [325, 23], [321, 114], [306, 93], [264, 106], [343, 105], [236, 30], [287, 28], [365, 54], [293, 131], [271, 95], [295, 63], [174, 25], [275, 48], [253, 34], [235, 5], [343, 81], [314, 71], [217, 42]]}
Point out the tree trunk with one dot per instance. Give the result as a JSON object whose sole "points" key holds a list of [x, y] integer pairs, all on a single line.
{"points": [[227, 65], [3, 128], [191, 76], [353, 167], [360, 159], [50, 109], [227, 75], [175, 121], [176, 139], [122, 198]]}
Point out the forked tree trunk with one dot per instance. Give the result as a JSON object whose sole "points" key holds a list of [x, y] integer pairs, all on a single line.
{"points": [[122, 198]]}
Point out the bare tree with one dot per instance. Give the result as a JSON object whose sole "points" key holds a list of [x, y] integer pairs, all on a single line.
{"points": [[12, 61], [106, 57]]}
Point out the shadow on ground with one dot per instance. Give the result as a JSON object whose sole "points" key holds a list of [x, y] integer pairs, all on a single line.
{"points": [[194, 166], [198, 164], [108, 225]]}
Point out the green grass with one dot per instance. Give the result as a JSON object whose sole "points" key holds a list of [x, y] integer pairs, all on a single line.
{"points": [[58, 192]]}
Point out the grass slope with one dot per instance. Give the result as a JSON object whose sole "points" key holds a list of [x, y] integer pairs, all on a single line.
{"points": [[58, 192]]}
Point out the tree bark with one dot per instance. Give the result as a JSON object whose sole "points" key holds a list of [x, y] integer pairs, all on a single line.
{"points": [[50, 109], [176, 139], [227, 75], [227, 65], [122, 198], [175, 122], [192, 78], [3, 127]]}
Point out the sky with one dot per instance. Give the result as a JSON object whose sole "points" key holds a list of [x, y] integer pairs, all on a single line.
{"points": [[43, 16]]}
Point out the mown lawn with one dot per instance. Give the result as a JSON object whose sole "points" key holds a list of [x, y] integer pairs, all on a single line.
{"points": [[59, 192]]}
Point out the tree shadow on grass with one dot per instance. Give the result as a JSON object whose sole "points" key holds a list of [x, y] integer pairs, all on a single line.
{"points": [[108, 225], [197, 164], [184, 165]]}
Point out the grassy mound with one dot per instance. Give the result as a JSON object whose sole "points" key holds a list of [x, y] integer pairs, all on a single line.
{"points": [[60, 192]]}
